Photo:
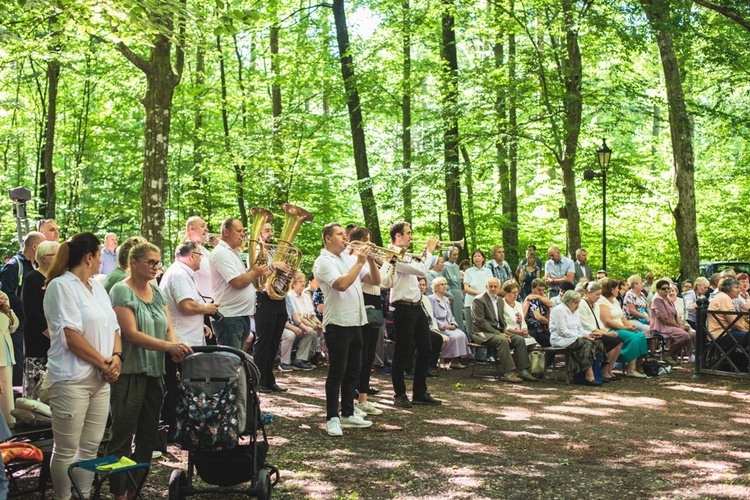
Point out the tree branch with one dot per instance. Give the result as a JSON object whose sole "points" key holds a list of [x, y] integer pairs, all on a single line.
{"points": [[134, 58], [727, 12]]}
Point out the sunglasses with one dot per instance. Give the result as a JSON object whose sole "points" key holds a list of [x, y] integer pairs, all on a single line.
{"points": [[664, 288]]}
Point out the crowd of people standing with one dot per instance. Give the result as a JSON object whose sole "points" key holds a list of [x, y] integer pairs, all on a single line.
{"points": [[89, 323]]}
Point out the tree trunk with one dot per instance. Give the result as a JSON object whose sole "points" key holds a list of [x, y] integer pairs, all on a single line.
{"points": [[280, 194], [573, 104], [239, 171], [510, 234], [450, 127], [200, 181], [47, 182], [681, 132], [160, 85], [468, 173], [161, 81], [369, 206], [406, 112]]}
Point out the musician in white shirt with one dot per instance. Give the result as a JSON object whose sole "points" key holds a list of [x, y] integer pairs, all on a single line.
{"points": [[410, 321], [340, 278]]}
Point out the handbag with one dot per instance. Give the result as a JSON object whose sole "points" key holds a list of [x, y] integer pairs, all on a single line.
{"points": [[374, 316], [538, 362]]}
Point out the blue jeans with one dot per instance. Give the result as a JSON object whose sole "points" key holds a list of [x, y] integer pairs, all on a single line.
{"points": [[232, 332]]}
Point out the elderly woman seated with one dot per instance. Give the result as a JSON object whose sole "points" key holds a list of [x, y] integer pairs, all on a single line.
{"points": [[700, 287], [665, 322], [610, 312], [458, 347], [592, 322], [567, 331], [729, 289], [635, 305]]}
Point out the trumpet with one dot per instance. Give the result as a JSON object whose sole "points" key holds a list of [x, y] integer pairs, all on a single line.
{"points": [[445, 245], [378, 253]]}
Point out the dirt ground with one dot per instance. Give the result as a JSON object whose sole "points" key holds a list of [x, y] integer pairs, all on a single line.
{"points": [[666, 437]]}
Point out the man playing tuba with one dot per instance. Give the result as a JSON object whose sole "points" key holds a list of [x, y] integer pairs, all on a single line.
{"points": [[232, 286]]}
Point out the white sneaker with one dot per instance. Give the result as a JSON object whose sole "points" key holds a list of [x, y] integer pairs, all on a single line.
{"points": [[156, 454], [368, 407], [359, 412], [333, 426], [355, 421]]}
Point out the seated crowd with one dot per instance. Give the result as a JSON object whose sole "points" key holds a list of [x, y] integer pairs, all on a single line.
{"points": [[99, 329]]}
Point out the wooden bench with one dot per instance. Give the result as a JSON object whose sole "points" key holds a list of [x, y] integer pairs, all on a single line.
{"points": [[474, 364], [554, 351]]}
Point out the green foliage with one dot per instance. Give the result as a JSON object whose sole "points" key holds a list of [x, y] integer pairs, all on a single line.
{"points": [[99, 139]]}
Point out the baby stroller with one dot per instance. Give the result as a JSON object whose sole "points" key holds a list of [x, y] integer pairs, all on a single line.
{"points": [[217, 405]]}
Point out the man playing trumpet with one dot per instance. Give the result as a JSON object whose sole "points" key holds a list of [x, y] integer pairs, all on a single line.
{"points": [[410, 321]]}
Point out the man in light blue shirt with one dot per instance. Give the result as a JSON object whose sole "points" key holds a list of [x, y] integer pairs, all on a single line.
{"points": [[557, 270], [109, 254]]}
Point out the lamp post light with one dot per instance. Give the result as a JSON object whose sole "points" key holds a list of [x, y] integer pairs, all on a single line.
{"points": [[604, 154]]}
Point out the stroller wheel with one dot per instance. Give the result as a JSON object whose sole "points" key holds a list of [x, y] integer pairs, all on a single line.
{"points": [[274, 473], [263, 485], [177, 485]]}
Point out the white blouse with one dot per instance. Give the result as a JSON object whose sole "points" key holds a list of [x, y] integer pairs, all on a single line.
{"points": [[565, 326], [69, 304]]}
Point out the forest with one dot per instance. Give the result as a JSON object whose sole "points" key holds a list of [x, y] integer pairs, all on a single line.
{"points": [[469, 119]]}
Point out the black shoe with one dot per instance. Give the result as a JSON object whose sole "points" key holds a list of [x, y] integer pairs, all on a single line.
{"points": [[431, 373], [408, 376], [264, 389], [426, 399], [402, 401], [371, 391], [278, 388], [593, 383]]}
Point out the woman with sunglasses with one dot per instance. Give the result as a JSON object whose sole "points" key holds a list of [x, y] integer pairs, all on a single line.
{"points": [[664, 321], [147, 334]]}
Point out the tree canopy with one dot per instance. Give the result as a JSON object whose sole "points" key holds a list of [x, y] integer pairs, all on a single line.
{"points": [[259, 114]]}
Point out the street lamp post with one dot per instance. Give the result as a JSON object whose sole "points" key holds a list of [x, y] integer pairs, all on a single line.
{"points": [[604, 154]]}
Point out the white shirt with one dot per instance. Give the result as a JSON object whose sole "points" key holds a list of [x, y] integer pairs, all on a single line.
{"points": [[69, 304], [564, 326], [345, 308], [226, 265], [203, 275], [477, 279], [178, 284], [403, 282], [301, 304], [511, 315]]}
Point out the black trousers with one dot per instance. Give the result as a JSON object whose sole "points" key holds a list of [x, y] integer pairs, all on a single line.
{"points": [[345, 360], [410, 324], [369, 344], [270, 318]]}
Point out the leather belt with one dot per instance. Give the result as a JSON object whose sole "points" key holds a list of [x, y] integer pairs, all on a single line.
{"points": [[407, 303]]}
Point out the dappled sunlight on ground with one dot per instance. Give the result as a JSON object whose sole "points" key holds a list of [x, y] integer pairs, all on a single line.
{"points": [[465, 425], [515, 434], [556, 417], [579, 410], [460, 446], [706, 404], [621, 399]]}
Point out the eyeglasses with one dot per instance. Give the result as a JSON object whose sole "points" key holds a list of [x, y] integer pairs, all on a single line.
{"points": [[50, 254], [197, 253], [664, 288], [153, 264]]}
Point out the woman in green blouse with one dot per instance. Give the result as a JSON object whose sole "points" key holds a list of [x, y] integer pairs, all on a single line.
{"points": [[147, 334]]}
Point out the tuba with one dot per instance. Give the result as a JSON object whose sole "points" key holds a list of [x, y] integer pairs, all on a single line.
{"points": [[278, 283], [256, 253]]}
